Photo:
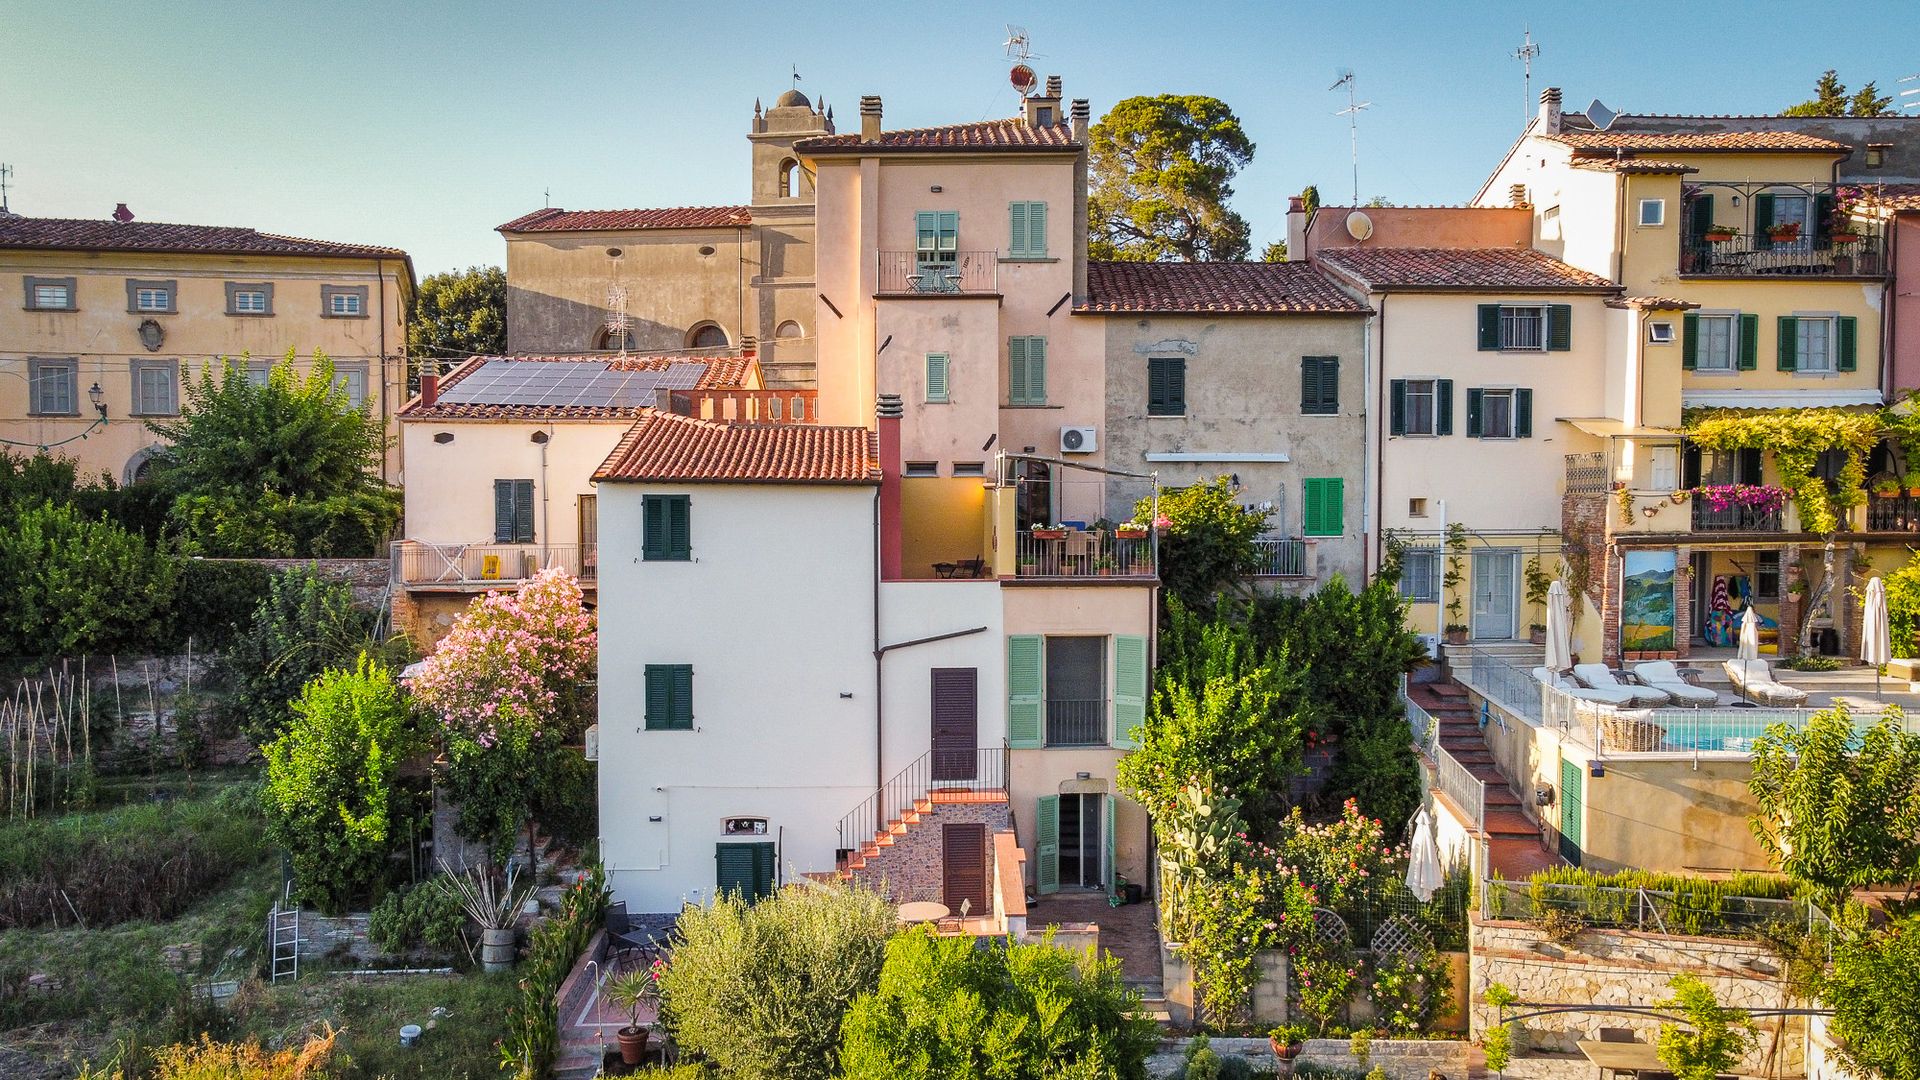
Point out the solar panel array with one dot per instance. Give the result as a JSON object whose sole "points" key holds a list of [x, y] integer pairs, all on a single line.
{"points": [[564, 383]]}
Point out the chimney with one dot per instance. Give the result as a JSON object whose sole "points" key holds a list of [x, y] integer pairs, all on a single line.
{"points": [[1549, 111], [1517, 196], [429, 390], [887, 419], [870, 118], [749, 345], [1043, 109], [1053, 87], [121, 213], [1080, 112], [1296, 229]]}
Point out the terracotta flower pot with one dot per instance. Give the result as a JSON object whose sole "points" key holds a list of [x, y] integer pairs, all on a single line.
{"points": [[1283, 1051], [1131, 534], [633, 1044], [1718, 237]]}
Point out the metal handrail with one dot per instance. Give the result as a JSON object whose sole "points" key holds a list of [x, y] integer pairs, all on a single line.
{"points": [[1453, 779], [933, 771]]}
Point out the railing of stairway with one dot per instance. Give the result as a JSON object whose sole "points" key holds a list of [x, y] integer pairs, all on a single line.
{"points": [[981, 769], [1467, 791]]}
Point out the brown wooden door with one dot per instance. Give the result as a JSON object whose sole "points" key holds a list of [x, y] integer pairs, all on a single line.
{"points": [[964, 867], [956, 724]]}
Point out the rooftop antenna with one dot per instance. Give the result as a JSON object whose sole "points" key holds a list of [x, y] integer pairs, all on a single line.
{"points": [[617, 322], [1019, 50], [6, 174], [1352, 113], [1528, 49], [1913, 93], [546, 195]]}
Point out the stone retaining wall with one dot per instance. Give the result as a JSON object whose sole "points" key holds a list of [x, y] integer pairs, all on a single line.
{"points": [[1270, 993], [911, 869], [1401, 1059], [367, 577]]}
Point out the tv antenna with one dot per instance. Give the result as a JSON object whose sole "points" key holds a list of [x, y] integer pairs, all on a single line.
{"points": [[1913, 93], [6, 174], [1352, 113], [617, 322], [1019, 50], [1528, 49]]}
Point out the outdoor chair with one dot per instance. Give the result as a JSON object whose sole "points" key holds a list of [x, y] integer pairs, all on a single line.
{"points": [[1615, 698], [1664, 675], [1600, 677], [1631, 730], [621, 938], [1755, 680]]}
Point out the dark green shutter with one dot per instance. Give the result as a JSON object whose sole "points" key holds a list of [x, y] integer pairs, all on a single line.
{"points": [[1397, 407], [1026, 683], [764, 867], [1489, 327], [666, 528], [1320, 385], [1749, 342], [1822, 213], [1849, 334], [1700, 218], [1559, 327], [1129, 689], [1789, 343], [1309, 385], [503, 511], [659, 694], [1443, 406], [1046, 845], [682, 680], [1689, 341], [523, 511], [734, 869], [1523, 413], [1762, 221], [1166, 386], [1475, 398]]}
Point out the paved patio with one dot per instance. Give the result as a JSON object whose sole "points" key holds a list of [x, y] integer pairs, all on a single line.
{"points": [[1851, 686], [1127, 932]]}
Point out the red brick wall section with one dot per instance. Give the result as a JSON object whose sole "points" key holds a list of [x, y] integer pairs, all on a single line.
{"points": [[1683, 601], [910, 870]]}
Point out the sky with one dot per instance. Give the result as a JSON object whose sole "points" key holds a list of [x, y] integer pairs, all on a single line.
{"points": [[426, 125]]}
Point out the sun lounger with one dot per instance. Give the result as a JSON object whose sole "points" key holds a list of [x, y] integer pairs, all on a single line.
{"points": [[1755, 680], [1616, 698], [1664, 675], [1600, 677]]}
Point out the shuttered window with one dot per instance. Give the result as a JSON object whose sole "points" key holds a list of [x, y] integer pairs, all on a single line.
{"points": [[1026, 371], [513, 511], [1420, 407], [1500, 413], [936, 237], [1027, 224], [1166, 386], [1129, 689], [1320, 385], [937, 377], [666, 528], [746, 869], [1324, 506], [669, 703], [1525, 327], [1026, 686], [1046, 844]]}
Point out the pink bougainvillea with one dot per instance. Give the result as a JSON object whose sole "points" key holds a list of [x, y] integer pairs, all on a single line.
{"points": [[513, 658], [1765, 498]]}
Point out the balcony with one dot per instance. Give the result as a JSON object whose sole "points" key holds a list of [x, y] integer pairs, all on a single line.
{"points": [[1893, 513], [1076, 722], [417, 564], [955, 273], [1735, 518], [748, 406], [1757, 256], [1779, 229], [1078, 553], [1282, 557]]}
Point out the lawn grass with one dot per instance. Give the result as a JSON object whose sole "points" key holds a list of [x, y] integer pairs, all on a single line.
{"points": [[456, 1046]]}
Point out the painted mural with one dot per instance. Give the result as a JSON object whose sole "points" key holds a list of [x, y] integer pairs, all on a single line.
{"points": [[1646, 601]]}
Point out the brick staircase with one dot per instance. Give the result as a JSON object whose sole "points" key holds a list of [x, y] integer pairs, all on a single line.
{"points": [[906, 852], [1513, 839]]}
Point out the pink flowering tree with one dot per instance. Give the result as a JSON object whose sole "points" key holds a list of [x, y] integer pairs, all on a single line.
{"points": [[508, 685]]}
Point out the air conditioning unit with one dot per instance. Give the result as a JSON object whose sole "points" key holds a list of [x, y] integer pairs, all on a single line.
{"points": [[1079, 440], [1431, 642]]}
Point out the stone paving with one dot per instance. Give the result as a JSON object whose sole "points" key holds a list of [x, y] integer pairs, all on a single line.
{"points": [[1127, 932]]}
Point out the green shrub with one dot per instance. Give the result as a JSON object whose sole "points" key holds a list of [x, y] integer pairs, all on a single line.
{"points": [[1208, 546], [533, 1025], [356, 525], [71, 584], [303, 625], [331, 796], [217, 600], [949, 1007], [759, 989], [409, 918]]}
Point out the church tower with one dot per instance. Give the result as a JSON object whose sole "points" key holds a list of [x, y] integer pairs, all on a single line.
{"points": [[783, 229]]}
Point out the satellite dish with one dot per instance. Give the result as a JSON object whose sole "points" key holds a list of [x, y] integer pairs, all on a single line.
{"points": [[1600, 116], [1023, 78], [1359, 225]]}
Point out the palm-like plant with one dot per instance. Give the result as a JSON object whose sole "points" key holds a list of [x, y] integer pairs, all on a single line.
{"points": [[492, 902]]}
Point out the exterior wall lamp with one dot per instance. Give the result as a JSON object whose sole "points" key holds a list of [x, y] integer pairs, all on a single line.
{"points": [[99, 399]]}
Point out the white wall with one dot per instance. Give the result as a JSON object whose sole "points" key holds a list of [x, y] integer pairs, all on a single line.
{"points": [[910, 610], [450, 485]]}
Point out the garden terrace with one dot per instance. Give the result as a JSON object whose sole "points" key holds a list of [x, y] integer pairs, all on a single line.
{"points": [[1739, 906]]}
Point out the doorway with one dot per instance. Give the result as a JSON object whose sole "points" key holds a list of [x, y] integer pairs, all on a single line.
{"points": [[1082, 845], [963, 868], [1495, 577], [956, 724], [1033, 494]]}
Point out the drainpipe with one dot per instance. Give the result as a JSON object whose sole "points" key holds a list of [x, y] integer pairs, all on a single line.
{"points": [[380, 286], [1379, 457]]}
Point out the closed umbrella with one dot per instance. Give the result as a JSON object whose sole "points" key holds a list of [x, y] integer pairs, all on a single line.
{"points": [[1559, 627], [1876, 648], [1749, 635], [1423, 859]]}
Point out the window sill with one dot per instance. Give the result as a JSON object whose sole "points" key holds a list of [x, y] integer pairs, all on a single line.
{"points": [[1029, 259], [50, 310], [1717, 373], [1010, 405], [152, 311], [53, 415], [1166, 416], [325, 315], [1798, 374], [250, 314]]}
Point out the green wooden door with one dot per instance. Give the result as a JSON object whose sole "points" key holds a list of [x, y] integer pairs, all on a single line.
{"points": [[1046, 845], [1572, 804], [1112, 864]]}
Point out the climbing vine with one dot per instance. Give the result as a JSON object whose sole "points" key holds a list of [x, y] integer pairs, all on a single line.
{"points": [[1797, 438]]}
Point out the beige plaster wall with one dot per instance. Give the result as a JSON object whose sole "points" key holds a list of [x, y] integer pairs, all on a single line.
{"points": [[1422, 226], [449, 498], [1678, 815], [557, 286]]}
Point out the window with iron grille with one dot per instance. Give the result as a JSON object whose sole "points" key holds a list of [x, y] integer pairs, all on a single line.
{"points": [[1420, 575], [1523, 327]]}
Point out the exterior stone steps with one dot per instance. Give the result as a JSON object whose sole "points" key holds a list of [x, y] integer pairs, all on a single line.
{"points": [[1502, 823], [897, 829]]}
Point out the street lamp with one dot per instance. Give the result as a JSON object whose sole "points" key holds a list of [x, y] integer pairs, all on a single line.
{"points": [[99, 399]]}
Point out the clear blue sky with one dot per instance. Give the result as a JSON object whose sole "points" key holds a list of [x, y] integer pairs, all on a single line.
{"points": [[424, 125]]}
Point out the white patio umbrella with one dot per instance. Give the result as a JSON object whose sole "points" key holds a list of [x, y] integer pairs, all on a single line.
{"points": [[1424, 876], [1559, 627], [1876, 647], [1749, 648]]}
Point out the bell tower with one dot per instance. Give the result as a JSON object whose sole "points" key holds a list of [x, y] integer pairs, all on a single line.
{"points": [[778, 179]]}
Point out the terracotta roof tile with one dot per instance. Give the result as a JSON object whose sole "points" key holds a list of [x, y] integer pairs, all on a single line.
{"points": [[1651, 303], [1254, 288], [88, 234], [554, 219], [1632, 165], [1012, 134], [723, 372], [1677, 142], [1462, 270], [1896, 197], [681, 449]]}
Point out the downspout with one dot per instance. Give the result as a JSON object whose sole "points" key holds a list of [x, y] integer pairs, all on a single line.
{"points": [[1619, 227], [1379, 436], [380, 286], [546, 522], [740, 291]]}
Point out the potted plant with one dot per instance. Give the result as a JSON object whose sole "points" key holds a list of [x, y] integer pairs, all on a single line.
{"points": [[1103, 566], [1049, 532], [1911, 481], [1286, 1039], [1131, 530], [1887, 486], [1720, 234], [1783, 232], [494, 904], [1456, 632], [629, 990], [1537, 585]]}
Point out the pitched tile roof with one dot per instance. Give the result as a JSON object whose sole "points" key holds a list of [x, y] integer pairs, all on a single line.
{"points": [[1895, 197], [1632, 165], [1462, 270], [89, 234], [682, 449], [554, 219], [1651, 303], [723, 372], [1707, 142], [1011, 134], [1253, 288]]}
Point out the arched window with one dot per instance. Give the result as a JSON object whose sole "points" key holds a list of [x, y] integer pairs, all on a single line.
{"points": [[612, 340], [788, 329], [707, 336], [790, 178]]}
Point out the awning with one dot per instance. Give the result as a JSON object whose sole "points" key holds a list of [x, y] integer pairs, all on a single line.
{"points": [[1812, 397], [1607, 427]]}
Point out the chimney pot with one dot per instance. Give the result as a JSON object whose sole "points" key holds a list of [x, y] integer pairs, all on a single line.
{"points": [[1053, 86], [1080, 112], [429, 389], [870, 118], [749, 345], [1517, 195], [121, 213], [889, 407], [1550, 111]]}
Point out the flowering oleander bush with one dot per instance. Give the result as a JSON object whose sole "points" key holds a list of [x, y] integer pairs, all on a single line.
{"points": [[1409, 991], [1766, 498]]}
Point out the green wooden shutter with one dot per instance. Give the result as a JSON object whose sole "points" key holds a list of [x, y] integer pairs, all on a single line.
{"points": [[1113, 863], [949, 230], [1789, 344], [1689, 341], [1749, 342], [1559, 327], [1177, 385], [659, 697], [1157, 386], [1026, 683], [503, 511], [1572, 796], [681, 715], [1762, 221], [1475, 399], [523, 511], [1037, 371], [926, 227], [1016, 371], [1699, 218], [1017, 229], [734, 869], [1397, 407], [1443, 406], [1037, 230], [936, 376], [1129, 689], [1046, 845], [765, 867], [1849, 343], [679, 527], [1523, 413], [1489, 327], [1309, 385], [1323, 506]]}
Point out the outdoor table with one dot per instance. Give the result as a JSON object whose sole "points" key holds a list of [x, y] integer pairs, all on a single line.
{"points": [[1632, 1058], [921, 911]]}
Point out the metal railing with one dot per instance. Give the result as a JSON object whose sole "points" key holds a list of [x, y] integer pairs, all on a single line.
{"points": [[1076, 721], [1509, 687], [1453, 779], [981, 769], [1078, 553], [1725, 730], [1893, 513], [416, 562], [1282, 557], [1705, 912], [954, 273], [1734, 518], [1588, 474], [1757, 256], [1421, 724]]}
